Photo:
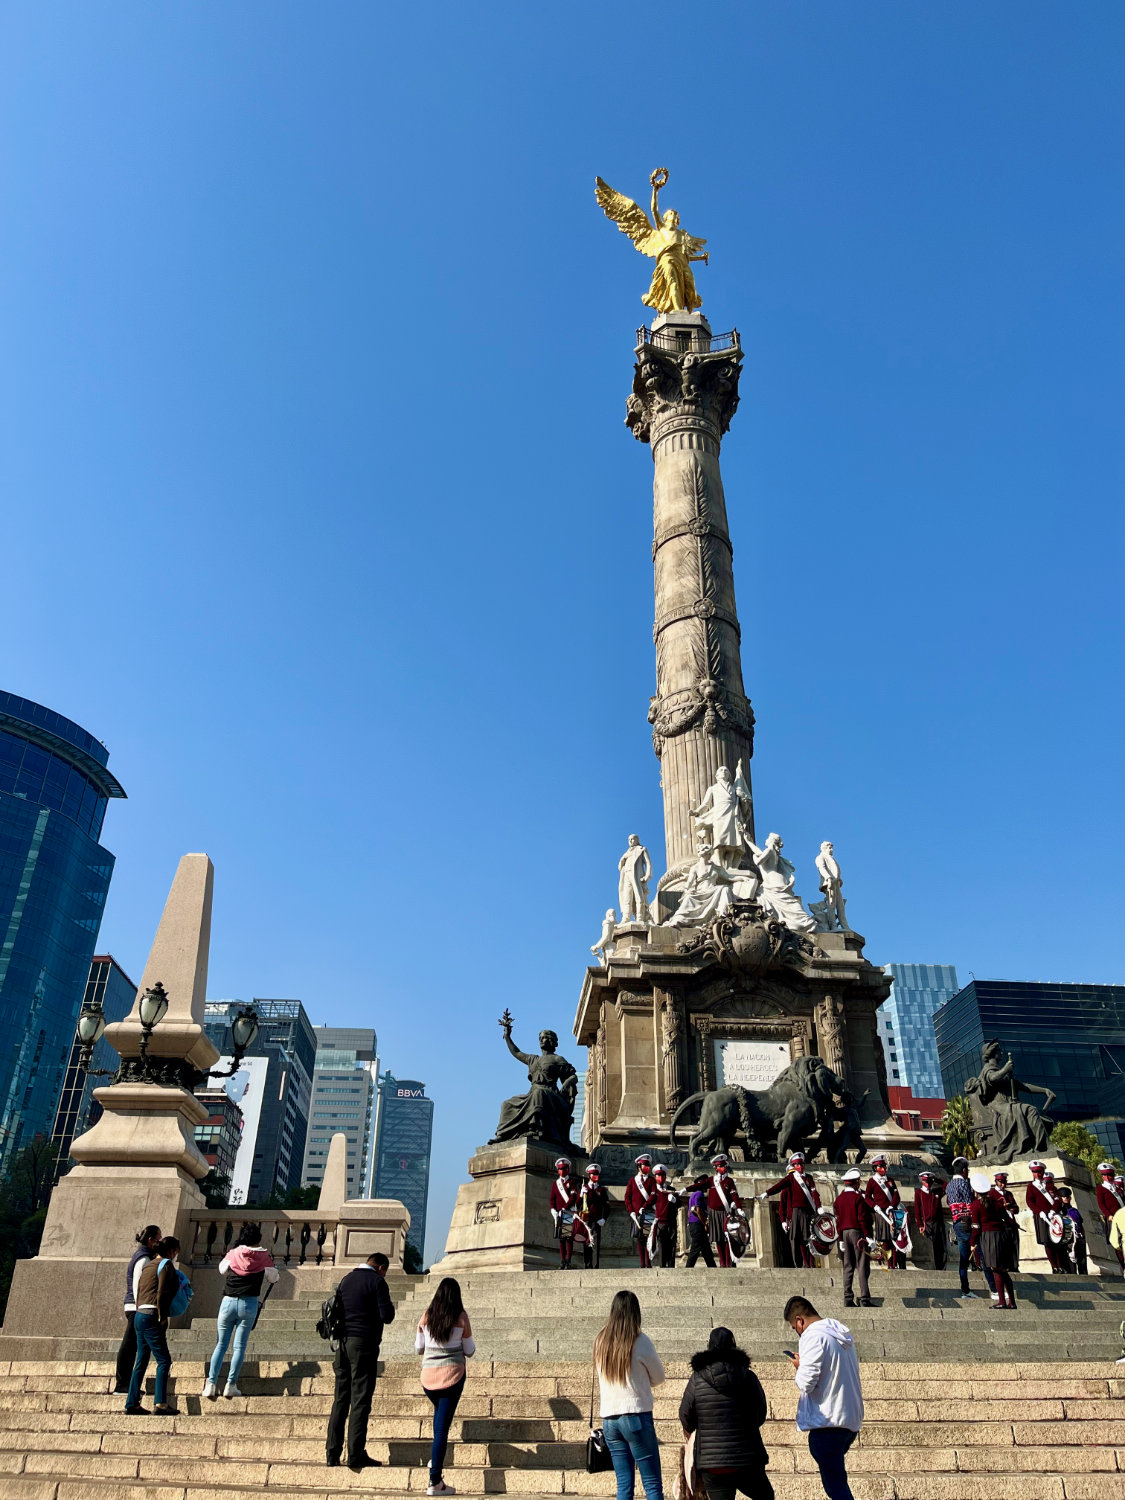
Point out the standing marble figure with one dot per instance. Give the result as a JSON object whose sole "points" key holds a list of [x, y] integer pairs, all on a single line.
{"points": [[830, 912], [635, 869], [725, 812], [546, 1111]]}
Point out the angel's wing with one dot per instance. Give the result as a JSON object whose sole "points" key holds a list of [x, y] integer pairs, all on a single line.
{"points": [[629, 217], [692, 245]]}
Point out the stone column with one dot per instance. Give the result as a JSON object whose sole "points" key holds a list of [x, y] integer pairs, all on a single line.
{"points": [[139, 1164], [685, 391]]}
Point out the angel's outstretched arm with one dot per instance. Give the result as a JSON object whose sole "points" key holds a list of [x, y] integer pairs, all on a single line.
{"points": [[655, 209]]}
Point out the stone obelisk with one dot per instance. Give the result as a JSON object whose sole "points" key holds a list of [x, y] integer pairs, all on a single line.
{"points": [[139, 1164], [685, 391]]}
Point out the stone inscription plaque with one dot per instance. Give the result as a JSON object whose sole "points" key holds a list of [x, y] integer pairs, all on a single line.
{"points": [[754, 1065]]}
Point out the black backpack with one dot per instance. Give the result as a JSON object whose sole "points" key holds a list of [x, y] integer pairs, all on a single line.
{"points": [[331, 1324]]}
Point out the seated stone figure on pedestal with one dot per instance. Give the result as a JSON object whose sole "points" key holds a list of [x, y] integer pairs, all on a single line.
{"points": [[777, 893], [1004, 1127], [546, 1111], [709, 889]]}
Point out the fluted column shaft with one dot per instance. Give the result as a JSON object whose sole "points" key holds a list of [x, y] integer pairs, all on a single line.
{"points": [[684, 395]]}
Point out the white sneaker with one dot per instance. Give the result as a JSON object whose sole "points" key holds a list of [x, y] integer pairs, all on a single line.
{"points": [[231, 1390], [995, 1297], [210, 1391], [440, 1489], [967, 1297]]}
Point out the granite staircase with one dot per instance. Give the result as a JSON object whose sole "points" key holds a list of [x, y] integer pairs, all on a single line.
{"points": [[963, 1402]]}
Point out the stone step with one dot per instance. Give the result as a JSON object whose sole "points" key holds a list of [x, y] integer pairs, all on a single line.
{"points": [[327, 1484]]}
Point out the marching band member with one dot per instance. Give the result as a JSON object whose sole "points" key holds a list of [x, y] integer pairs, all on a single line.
{"points": [[593, 1209], [1072, 1212], [1041, 1201], [1064, 1246], [1001, 1181], [640, 1197], [798, 1203], [853, 1220], [883, 1196], [723, 1203], [663, 1233], [929, 1215], [564, 1207], [988, 1216], [1110, 1199], [699, 1241]]}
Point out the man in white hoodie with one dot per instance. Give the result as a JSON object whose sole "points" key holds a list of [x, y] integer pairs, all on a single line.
{"points": [[830, 1408]]}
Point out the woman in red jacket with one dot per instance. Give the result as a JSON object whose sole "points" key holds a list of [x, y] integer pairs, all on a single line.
{"points": [[991, 1223]]}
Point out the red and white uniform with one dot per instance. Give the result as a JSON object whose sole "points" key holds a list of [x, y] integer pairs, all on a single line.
{"points": [[883, 1196], [640, 1205], [852, 1210], [795, 1190], [723, 1203], [1041, 1200], [929, 1210]]}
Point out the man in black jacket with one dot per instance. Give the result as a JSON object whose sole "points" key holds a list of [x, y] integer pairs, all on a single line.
{"points": [[725, 1406], [367, 1307]]}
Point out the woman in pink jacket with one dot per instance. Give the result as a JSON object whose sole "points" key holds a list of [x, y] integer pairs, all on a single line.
{"points": [[245, 1267]]}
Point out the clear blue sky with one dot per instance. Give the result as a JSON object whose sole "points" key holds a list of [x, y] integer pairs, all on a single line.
{"points": [[319, 508]]}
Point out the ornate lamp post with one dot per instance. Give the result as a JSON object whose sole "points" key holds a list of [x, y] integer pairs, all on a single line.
{"points": [[153, 1008]]}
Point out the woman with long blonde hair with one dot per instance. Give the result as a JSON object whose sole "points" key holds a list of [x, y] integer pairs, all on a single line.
{"points": [[628, 1367]]}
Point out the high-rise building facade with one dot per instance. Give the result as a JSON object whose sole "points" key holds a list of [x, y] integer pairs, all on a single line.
{"points": [[220, 1135], [110, 990], [344, 1099], [54, 877], [1068, 1037], [402, 1149], [906, 1026], [272, 1088]]}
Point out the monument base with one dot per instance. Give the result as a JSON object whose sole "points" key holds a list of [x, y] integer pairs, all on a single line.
{"points": [[75, 1286], [501, 1220]]}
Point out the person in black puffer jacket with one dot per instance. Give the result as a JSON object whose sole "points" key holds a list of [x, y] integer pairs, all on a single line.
{"points": [[725, 1406]]}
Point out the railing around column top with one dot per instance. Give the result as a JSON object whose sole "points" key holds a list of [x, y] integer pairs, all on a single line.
{"points": [[685, 340], [294, 1237]]}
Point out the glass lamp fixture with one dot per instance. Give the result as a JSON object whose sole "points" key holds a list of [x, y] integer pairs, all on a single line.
{"points": [[91, 1026], [244, 1031], [154, 1006]]}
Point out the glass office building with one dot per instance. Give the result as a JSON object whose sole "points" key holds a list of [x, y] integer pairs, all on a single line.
{"points": [[906, 1026], [272, 1088], [344, 1099], [54, 878], [402, 1149], [110, 990], [1068, 1037]]}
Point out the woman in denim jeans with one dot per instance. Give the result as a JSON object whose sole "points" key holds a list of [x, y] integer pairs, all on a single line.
{"points": [[628, 1367], [245, 1268]]}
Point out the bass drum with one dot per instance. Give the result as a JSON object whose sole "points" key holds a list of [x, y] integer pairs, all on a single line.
{"points": [[1057, 1227], [824, 1234]]}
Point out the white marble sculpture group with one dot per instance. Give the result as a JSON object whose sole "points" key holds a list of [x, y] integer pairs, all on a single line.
{"points": [[730, 867]]}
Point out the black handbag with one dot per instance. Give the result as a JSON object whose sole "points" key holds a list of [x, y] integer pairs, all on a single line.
{"points": [[597, 1449]]}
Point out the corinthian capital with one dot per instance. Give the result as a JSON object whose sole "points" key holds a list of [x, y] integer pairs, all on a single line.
{"points": [[697, 386]]}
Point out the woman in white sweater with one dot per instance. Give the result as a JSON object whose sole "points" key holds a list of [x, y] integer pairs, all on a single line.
{"points": [[628, 1367], [444, 1340]]}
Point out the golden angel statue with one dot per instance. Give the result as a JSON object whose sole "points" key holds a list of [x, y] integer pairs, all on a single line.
{"points": [[673, 285]]}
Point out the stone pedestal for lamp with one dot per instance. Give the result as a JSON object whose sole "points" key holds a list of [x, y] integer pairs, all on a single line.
{"points": [[139, 1164]]}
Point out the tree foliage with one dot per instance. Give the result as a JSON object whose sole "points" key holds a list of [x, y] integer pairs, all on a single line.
{"points": [[24, 1195], [412, 1259], [215, 1188], [1075, 1140], [957, 1128]]}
